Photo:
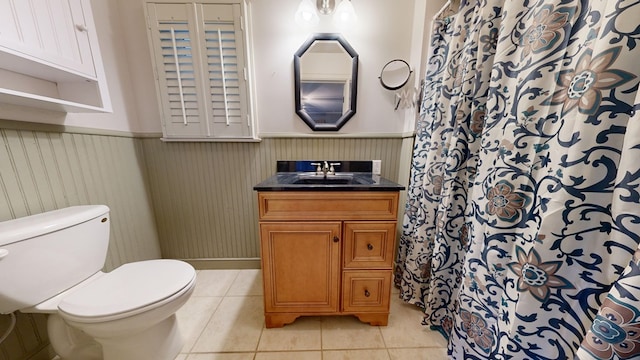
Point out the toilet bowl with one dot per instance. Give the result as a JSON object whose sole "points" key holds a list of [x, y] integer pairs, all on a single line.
{"points": [[126, 314], [127, 310]]}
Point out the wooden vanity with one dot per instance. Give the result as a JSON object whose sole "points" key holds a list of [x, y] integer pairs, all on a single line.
{"points": [[327, 253]]}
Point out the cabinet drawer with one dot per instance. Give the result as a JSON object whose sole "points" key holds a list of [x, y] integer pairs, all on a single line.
{"points": [[366, 291], [328, 205], [369, 244]]}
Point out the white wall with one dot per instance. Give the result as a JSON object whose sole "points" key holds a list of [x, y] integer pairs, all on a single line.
{"points": [[124, 116], [383, 32]]}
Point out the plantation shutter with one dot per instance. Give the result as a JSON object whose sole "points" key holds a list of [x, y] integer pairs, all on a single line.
{"points": [[225, 70], [175, 45], [200, 60]]}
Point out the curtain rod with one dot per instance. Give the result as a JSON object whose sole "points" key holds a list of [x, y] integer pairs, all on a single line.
{"points": [[447, 5]]}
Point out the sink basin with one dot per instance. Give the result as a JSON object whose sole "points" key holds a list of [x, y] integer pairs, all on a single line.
{"points": [[337, 179]]}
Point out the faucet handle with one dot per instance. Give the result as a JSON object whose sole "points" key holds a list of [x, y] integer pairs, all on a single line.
{"points": [[318, 167], [332, 170]]}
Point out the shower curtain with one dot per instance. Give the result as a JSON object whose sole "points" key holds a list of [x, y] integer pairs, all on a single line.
{"points": [[523, 210]]}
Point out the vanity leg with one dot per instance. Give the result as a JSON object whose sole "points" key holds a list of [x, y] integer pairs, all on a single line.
{"points": [[374, 319], [279, 320]]}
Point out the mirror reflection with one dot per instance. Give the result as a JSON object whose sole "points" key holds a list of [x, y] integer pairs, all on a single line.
{"points": [[325, 70]]}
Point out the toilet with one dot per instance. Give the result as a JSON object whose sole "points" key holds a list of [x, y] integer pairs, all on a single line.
{"points": [[52, 263]]}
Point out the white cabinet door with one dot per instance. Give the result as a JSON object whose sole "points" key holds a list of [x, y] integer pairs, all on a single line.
{"points": [[52, 31]]}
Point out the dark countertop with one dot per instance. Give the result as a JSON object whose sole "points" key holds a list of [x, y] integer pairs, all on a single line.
{"points": [[361, 181]]}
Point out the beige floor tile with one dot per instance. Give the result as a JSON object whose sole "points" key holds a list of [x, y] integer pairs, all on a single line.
{"points": [[369, 354], [405, 329], [347, 332], [214, 282], [232, 302], [235, 326], [236, 356], [291, 355], [419, 354], [302, 334], [248, 282], [194, 316]]}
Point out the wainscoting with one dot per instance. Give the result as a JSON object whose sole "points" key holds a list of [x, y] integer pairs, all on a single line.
{"points": [[203, 196], [46, 170], [192, 201]]}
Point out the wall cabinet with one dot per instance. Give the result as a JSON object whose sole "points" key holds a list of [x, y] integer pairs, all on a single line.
{"points": [[49, 56], [327, 253]]}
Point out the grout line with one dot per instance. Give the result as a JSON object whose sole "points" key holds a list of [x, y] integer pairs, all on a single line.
{"points": [[231, 283], [322, 351]]}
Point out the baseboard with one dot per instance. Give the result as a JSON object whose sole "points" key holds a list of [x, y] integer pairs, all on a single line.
{"points": [[226, 263]]}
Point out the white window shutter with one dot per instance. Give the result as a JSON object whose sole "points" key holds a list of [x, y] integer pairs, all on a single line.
{"points": [[200, 60], [225, 62]]}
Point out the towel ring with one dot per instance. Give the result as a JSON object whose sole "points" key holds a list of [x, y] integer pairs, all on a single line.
{"points": [[395, 74]]}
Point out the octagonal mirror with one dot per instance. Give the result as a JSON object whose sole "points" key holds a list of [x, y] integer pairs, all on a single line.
{"points": [[326, 76]]}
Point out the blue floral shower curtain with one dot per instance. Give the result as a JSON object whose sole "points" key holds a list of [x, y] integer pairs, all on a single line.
{"points": [[523, 209]]}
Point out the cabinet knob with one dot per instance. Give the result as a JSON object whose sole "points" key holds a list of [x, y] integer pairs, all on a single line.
{"points": [[336, 239], [81, 27], [369, 246], [367, 293]]}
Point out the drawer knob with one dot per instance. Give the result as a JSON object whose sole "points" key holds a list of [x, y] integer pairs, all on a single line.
{"points": [[369, 246], [335, 239], [367, 293]]}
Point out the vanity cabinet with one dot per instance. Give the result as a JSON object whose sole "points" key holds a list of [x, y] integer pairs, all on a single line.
{"points": [[327, 253]]}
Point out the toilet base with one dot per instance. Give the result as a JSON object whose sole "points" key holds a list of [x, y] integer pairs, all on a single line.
{"points": [[70, 343], [162, 341]]}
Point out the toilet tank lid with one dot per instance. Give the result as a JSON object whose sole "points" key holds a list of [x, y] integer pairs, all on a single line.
{"points": [[47, 222]]}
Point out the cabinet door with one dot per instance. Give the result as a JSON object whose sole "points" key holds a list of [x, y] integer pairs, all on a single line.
{"points": [[301, 266], [53, 31], [369, 244]]}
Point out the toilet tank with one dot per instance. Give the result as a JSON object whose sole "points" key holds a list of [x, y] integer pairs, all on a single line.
{"points": [[42, 255]]}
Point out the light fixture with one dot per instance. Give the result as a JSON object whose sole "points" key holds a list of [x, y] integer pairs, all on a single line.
{"points": [[326, 7], [345, 13], [307, 14]]}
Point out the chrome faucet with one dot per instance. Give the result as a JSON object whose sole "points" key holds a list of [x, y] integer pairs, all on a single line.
{"points": [[325, 168]]}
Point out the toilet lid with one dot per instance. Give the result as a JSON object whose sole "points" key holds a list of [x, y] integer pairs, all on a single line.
{"points": [[131, 286]]}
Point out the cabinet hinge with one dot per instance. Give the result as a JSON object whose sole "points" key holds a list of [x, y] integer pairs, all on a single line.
{"points": [[241, 23], [244, 70]]}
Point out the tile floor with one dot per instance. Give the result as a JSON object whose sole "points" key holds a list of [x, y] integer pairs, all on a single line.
{"points": [[223, 320]]}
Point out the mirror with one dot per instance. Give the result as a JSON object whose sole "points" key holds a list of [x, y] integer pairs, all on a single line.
{"points": [[326, 77], [395, 74]]}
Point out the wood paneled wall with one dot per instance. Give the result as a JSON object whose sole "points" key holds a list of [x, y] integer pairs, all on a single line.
{"points": [[203, 194], [178, 200], [41, 171]]}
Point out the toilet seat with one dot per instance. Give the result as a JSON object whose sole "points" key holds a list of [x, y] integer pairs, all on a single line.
{"points": [[130, 289]]}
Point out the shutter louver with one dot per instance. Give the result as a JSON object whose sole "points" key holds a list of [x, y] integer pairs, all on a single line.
{"points": [[180, 76]]}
